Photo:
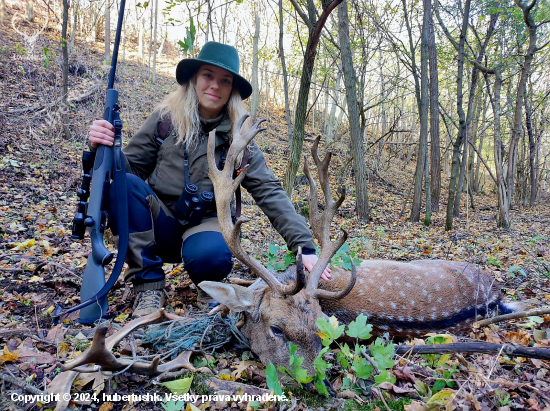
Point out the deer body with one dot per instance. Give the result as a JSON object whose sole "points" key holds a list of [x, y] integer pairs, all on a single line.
{"points": [[409, 299]]}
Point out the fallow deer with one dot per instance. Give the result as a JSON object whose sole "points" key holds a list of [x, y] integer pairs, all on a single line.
{"points": [[405, 299]]}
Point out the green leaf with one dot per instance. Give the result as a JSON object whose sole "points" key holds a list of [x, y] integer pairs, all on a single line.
{"points": [[382, 353], [346, 350], [255, 404], [273, 249], [179, 387], [359, 328], [273, 379], [341, 358], [439, 385], [331, 327], [320, 385], [346, 384], [385, 376], [362, 370], [173, 405]]}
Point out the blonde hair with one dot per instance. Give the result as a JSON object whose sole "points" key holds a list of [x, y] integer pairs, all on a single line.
{"points": [[182, 106]]}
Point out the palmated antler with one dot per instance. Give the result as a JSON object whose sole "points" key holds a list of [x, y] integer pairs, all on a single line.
{"points": [[100, 353], [224, 188], [320, 224]]}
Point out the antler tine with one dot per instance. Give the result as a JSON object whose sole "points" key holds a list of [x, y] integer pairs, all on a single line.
{"points": [[336, 295], [100, 353], [224, 189], [300, 281], [320, 224]]}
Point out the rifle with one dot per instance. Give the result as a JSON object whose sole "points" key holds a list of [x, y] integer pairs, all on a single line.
{"points": [[108, 164]]}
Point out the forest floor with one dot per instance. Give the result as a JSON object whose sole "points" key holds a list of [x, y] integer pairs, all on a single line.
{"points": [[41, 267]]}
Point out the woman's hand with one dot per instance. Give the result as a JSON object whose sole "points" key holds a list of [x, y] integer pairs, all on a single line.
{"points": [[310, 260], [101, 132]]}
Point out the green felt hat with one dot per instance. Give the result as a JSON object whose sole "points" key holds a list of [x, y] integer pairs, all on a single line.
{"points": [[220, 55]]}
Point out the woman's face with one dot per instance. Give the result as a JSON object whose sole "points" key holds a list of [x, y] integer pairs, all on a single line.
{"points": [[214, 86]]}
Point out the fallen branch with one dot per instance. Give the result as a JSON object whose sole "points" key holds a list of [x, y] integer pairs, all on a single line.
{"points": [[24, 332], [511, 316], [21, 384], [476, 348]]}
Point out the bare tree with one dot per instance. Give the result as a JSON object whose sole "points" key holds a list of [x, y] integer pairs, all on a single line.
{"points": [[107, 30], [255, 102], [154, 77], [64, 46], [315, 26], [521, 90], [30, 11], [435, 150], [2, 11], [285, 76], [357, 150], [459, 46]]}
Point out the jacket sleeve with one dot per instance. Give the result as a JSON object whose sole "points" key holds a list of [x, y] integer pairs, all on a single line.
{"points": [[272, 199], [142, 149]]}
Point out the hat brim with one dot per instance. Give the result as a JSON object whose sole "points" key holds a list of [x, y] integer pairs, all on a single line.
{"points": [[187, 67]]}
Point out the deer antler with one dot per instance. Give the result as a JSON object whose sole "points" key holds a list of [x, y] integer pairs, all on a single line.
{"points": [[30, 40], [224, 188], [100, 353], [320, 224]]}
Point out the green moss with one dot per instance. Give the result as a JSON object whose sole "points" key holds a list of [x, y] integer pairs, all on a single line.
{"points": [[312, 400], [398, 405]]}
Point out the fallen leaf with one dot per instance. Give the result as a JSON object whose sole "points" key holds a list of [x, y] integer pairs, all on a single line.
{"points": [[106, 406], [56, 335], [8, 356]]}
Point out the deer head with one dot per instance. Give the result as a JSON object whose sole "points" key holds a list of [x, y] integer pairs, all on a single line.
{"points": [[276, 312], [404, 299]]}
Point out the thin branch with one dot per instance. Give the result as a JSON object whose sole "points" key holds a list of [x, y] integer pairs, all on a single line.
{"points": [[303, 15], [512, 316]]}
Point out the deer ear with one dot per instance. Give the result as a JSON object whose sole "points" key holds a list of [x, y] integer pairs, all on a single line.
{"points": [[237, 298]]}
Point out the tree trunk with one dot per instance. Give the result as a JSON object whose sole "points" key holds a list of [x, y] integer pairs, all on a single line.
{"points": [[30, 11], [461, 116], [154, 78], [330, 128], [435, 149], [421, 93], [255, 101], [141, 38], [471, 100], [532, 153], [2, 11], [382, 110], [305, 83], [283, 65], [161, 47], [65, 90], [503, 219], [357, 151], [520, 93], [107, 30], [75, 24]]}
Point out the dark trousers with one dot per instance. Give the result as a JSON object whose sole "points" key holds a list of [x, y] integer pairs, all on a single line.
{"points": [[156, 236]]}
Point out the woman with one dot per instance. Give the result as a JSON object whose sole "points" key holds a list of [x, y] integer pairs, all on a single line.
{"points": [[209, 97]]}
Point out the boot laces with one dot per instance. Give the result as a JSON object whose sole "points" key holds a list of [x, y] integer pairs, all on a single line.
{"points": [[149, 299]]}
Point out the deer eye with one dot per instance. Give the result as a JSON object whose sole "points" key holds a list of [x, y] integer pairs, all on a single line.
{"points": [[277, 331]]}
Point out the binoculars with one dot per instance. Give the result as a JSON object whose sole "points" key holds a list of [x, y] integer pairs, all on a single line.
{"points": [[191, 206]]}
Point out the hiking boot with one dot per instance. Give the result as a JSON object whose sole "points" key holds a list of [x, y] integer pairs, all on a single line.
{"points": [[204, 301], [148, 302]]}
